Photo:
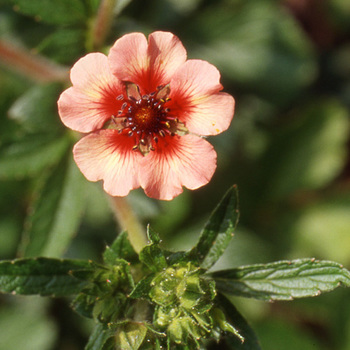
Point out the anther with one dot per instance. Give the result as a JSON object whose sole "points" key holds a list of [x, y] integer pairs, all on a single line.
{"points": [[120, 97], [124, 105], [161, 133]]}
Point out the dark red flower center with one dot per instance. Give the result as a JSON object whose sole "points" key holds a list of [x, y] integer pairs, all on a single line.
{"points": [[146, 117]]}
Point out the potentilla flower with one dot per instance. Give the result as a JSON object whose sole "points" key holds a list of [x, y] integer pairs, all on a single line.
{"points": [[146, 109]]}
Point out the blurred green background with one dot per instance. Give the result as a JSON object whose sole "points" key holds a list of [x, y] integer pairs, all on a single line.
{"points": [[287, 63]]}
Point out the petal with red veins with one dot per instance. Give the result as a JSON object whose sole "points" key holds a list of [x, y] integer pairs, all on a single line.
{"points": [[166, 54], [188, 161], [196, 99], [108, 156], [92, 100], [147, 64]]}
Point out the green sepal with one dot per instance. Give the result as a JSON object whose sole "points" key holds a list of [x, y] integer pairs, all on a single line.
{"points": [[218, 231], [99, 338], [83, 304], [282, 280], [142, 288], [173, 258], [152, 236], [43, 276], [152, 255], [235, 320], [130, 336], [121, 248], [106, 296]]}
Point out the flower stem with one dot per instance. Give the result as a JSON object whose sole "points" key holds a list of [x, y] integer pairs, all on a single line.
{"points": [[102, 24], [128, 221], [31, 65]]}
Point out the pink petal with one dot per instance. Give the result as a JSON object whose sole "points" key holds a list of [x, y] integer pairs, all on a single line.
{"points": [[196, 99], [147, 64], [107, 155], [92, 100], [188, 161]]}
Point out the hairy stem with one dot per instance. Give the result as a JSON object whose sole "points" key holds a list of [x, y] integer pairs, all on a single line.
{"points": [[128, 221], [33, 66]]}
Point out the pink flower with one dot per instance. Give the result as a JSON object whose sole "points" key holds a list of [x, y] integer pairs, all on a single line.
{"points": [[145, 108]]}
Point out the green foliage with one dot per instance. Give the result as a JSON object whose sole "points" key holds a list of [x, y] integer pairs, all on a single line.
{"points": [[176, 302], [65, 11], [218, 231], [283, 280], [288, 151], [42, 276], [31, 155], [56, 212]]}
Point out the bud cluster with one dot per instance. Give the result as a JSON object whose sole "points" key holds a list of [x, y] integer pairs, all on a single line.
{"points": [[184, 303]]}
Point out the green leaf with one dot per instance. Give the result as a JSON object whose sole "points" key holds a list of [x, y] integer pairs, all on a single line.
{"points": [[121, 248], [36, 110], [43, 276], [237, 320], [83, 304], [218, 231], [258, 46], [152, 255], [31, 155], [98, 337], [65, 45], [282, 280], [56, 212], [142, 288], [152, 235], [308, 152], [130, 336], [53, 11]]}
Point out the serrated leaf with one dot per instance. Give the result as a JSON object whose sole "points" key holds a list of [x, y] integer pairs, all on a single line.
{"points": [[53, 11], [153, 257], [152, 235], [142, 288], [31, 155], [56, 212], [121, 248], [43, 276], [218, 231], [98, 337], [237, 320], [282, 280]]}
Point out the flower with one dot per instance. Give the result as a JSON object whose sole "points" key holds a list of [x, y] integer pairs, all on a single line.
{"points": [[145, 109]]}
